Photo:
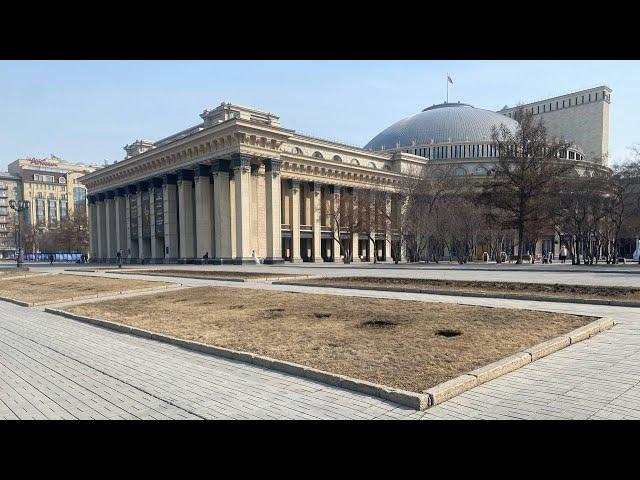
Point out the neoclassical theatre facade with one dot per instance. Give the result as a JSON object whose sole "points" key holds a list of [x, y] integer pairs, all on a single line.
{"points": [[236, 184], [240, 184]]}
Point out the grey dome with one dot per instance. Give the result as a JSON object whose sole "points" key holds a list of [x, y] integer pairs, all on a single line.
{"points": [[454, 122]]}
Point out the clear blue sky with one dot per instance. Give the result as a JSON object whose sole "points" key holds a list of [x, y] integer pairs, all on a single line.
{"points": [[86, 111]]}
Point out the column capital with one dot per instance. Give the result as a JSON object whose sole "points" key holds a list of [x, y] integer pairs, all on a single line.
{"points": [[155, 182], [121, 192], [185, 175], [293, 183], [315, 186], [241, 160], [201, 170], [220, 165], [169, 179], [132, 189], [272, 165]]}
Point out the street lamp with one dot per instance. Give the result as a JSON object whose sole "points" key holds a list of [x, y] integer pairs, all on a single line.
{"points": [[19, 206]]}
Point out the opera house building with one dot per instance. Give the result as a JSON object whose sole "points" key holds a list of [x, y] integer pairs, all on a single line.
{"points": [[240, 184]]}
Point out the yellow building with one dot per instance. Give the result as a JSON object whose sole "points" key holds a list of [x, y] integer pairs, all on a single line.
{"points": [[52, 188]]}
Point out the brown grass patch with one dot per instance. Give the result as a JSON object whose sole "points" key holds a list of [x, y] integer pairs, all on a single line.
{"points": [[55, 287], [392, 342], [537, 289], [209, 274]]}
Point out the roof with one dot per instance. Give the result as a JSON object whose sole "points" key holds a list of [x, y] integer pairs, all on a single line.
{"points": [[446, 122]]}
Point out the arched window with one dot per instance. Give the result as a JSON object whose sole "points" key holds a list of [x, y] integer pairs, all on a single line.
{"points": [[336, 158], [459, 171], [372, 165], [297, 151], [317, 155], [480, 171], [354, 162]]}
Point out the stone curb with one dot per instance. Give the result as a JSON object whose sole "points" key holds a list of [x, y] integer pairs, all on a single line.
{"points": [[17, 302], [449, 389], [107, 294], [220, 279], [417, 401], [455, 293]]}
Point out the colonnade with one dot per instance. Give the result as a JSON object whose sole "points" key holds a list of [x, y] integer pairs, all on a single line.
{"points": [[226, 210]]}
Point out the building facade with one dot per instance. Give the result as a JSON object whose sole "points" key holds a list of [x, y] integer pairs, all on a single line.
{"points": [[9, 190], [52, 187], [239, 184]]}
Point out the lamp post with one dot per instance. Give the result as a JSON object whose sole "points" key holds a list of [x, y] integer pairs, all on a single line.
{"points": [[19, 206]]}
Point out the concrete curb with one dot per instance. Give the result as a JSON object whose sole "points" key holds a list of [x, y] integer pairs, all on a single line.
{"points": [[447, 390], [219, 279], [418, 401], [455, 293], [88, 297]]}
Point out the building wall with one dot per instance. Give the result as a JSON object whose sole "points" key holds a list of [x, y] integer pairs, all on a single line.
{"points": [[9, 190], [581, 118], [51, 179]]}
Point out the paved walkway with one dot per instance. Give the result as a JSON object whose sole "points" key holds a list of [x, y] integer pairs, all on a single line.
{"points": [[51, 367]]}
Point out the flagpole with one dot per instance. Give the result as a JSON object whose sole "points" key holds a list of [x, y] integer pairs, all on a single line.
{"points": [[447, 88]]}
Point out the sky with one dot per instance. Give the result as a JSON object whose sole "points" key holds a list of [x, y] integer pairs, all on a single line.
{"points": [[86, 111]]}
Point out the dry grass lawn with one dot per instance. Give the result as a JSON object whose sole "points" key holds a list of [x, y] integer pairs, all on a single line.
{"points": [[55, 287], [392, 342], [543, 290], [6, 273], [209, 274]]}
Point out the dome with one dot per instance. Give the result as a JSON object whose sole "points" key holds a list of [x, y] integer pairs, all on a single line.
{"points": [[447, 122]]}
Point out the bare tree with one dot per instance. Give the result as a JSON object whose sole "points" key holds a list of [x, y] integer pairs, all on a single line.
{"points": [[527, 168]]}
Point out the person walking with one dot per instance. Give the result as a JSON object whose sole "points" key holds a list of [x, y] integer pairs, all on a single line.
{"points": [[51, 259], [563, 254], [119, 258], [256, 260]]}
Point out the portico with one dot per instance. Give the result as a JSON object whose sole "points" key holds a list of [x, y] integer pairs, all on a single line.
{"points": [[240, 184]]}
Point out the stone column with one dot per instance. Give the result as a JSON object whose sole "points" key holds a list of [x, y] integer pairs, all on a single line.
{"points": [[156, 199], [171, 234], [295, 221], [242, 179], [272, 188], [132, 242], [185, 214], [388, 238], [204, 215], [121, 222], [221, 211], [102, 227], [93, 227], [144, 249], [110, 226], [334, 208], [316, 215]]}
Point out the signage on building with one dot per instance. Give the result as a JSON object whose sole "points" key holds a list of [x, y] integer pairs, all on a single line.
{"points": [[42, 163]]}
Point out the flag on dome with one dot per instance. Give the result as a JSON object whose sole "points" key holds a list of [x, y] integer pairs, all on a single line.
{"points": [[449, 80]]}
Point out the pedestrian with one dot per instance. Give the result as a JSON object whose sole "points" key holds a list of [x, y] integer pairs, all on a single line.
{"points": [[563, 254], [205, 256], [119, 258], [256, 260], [51, 259]]}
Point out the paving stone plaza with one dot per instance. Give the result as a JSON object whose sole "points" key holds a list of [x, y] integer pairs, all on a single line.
{"points": [[57, 368]]}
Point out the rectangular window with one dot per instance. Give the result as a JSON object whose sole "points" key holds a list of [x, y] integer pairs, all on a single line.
{"points": [[53, 212], [40, 211]]}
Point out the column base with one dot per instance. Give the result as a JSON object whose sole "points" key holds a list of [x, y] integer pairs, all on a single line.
{"points": [[273, 261], [296, 260], [244, 261], [221, 261]]}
